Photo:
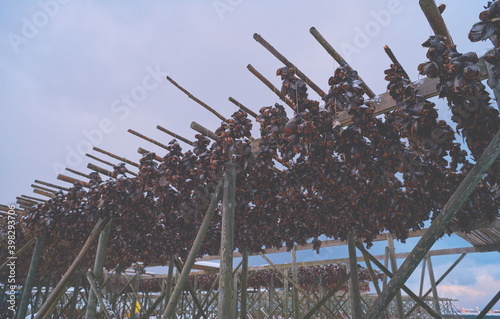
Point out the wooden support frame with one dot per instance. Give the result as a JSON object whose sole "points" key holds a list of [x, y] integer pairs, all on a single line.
{"points": [[59, 289], [226, 292], [438, 227], [169, 311]]}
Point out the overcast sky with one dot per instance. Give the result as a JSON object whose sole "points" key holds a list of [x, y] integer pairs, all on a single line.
{"points": [[76, 74]]}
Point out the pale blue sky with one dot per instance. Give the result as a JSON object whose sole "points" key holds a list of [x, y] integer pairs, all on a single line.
{"points": [[67, 68]]}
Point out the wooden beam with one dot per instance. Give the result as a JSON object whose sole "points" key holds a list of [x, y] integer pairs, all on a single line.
{"points": [[410, 293], [194, 98], [272, 87], [435, 19], [177, 136], [203, 130], [120, 158], [289, 64], [309, 246], [354, 294], [200, 236], [438, 226], [227, 246], [96, 289], [52, 185], [337, 57], [72, 180], [55, 294], [148, 139], [30, 279], [241, 106]]}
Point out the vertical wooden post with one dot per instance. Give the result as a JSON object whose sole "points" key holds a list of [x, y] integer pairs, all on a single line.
{"points": [[356, 310], [394, 268], [295, 277], [285, 296], [98, 266], [438, 226], [136, 291], [226, 249], [170, 279], [30, 279], [243, 283], [170, 309], [432, 279], [374, 278], [386, 265], [74, 298]]}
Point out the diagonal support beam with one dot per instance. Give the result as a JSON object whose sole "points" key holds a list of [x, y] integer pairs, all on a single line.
{"points": [[410, 293], [438, 227], [172, 303]]}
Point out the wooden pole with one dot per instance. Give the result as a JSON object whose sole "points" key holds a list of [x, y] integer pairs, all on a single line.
{"points": [[203, 130], [488, 307], [435, 19], [356, 310], [438, 226], [30, 279], [432, 279], [137, 284], [194, 98], [121, 159], [226, 248], [96, 289], [164, 130], [53, 297], [147, 139], [169, 311], [332, 292], [293, 282], [443, 276], [52, 185], [45, 189], [337, 57], [191, 290], [36, 199], [100, 257], [244, 285], [241, 106], [142, 151], [295, 277], [72, 180], [289, 64], [410, 293], [74, 298], [101, 170], [77, 172], [373, 276], [394, 268], [286, 310], [395, 61], [271, 87], [170, 278]]}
